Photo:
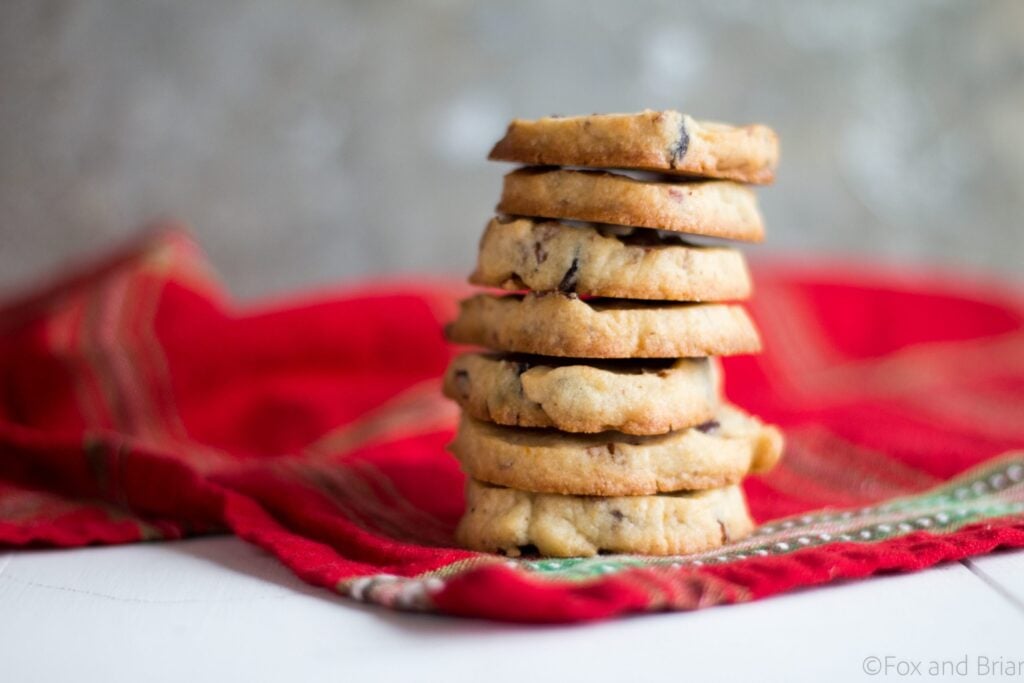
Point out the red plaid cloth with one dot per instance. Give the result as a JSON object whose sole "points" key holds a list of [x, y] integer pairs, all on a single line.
{"points": [[136, 403]]}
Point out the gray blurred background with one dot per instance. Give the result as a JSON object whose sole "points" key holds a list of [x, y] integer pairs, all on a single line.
{"points": [[316, 141]]}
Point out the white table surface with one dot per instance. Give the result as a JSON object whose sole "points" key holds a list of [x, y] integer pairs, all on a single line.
{"points": [[219, 609]]}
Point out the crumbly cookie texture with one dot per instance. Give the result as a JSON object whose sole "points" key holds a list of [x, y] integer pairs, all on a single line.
{"points": [[564, 325], [716, 208], [609, 261], [630, 396], [509, 521], [664, 141], [718, 453]]}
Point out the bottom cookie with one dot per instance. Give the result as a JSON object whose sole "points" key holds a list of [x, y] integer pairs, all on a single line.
{"points": [[505, 520]]}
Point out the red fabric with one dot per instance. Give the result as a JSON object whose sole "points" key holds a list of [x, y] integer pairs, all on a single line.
{"points": [[138, 403]]}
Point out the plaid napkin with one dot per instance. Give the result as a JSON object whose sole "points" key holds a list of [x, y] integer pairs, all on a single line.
{"points": [[137, 403]]}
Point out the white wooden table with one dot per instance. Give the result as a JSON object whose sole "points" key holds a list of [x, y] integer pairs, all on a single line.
{"points": [[218, 609]]}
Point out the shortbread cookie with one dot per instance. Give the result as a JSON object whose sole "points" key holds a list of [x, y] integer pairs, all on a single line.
{"points": [[610, 261], [717, 208], [506, 520], [663, 141], [648, 396], [717, 453], [564, 325]]}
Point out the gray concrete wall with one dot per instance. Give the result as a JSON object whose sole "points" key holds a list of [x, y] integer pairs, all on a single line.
{"points": [[315, 141]]}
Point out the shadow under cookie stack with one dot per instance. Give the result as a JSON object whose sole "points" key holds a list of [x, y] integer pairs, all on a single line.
{"points": [[596, 421]]}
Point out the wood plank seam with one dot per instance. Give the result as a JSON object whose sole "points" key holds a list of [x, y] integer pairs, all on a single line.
{"points": [[995, 585]]}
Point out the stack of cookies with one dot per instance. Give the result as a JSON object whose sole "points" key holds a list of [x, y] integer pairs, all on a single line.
{"points": [[595, 422]]}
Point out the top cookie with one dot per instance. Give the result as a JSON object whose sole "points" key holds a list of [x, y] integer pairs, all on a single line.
{"points": [[663, 141]]}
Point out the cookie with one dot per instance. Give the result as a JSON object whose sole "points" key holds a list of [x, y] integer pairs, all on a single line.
{"points": [[650, 396], [556, 324], [663, 141], [608, 261], [505, 520], [716, 208], [717, 453]]}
